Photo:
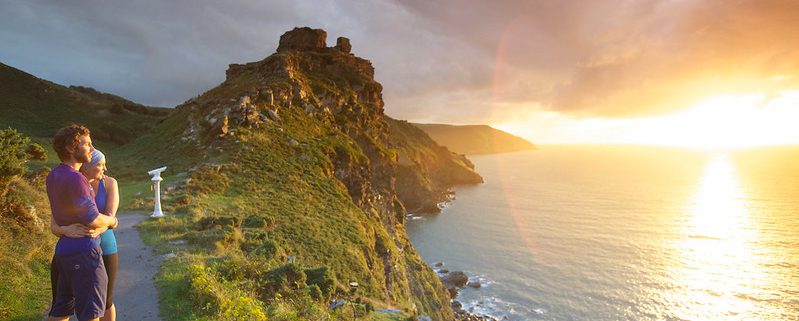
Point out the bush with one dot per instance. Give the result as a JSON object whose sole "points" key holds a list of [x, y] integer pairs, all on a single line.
{"points": [[220, 299], [257, 243], [237, 268], [36, 152], [282, 279], [268, 250], [322, 279], [215, 237], [254, 221], [13, 155], [218, 221], [207, 180]]}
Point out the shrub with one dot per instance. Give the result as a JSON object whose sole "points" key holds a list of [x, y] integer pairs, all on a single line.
{"points": [[207, 180], [282, 279], [235, 267], [322, 279], [218, 221], [13, 147], [254, 221], [220, 299], [36, 152], [268, 250]]}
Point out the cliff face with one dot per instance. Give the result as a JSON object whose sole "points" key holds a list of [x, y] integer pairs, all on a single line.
{"points": [[299, 141], [475, 139], [426, 170]]}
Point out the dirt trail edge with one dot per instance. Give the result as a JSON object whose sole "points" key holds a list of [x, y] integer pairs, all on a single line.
{"points": [[135, 294]]}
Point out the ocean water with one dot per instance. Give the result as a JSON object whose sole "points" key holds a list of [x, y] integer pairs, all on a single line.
{"points": [[624, 233]]}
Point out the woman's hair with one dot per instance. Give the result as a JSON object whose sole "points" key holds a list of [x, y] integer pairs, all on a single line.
{"points": [[97, 157], [68, 137]]}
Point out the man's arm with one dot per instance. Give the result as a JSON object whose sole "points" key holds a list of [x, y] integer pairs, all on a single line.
{"points": [[87, 209], [73, 231], [104, 221]]}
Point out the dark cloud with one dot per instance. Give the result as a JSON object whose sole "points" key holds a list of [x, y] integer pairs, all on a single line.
{"points": [[463, 61]]}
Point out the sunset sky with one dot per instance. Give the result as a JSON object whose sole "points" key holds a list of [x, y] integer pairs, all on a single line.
{"points": [[687, 73]]}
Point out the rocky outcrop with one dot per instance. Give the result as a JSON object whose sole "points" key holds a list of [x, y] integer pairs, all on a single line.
{"points": [[303, 39], [343, 44], [325, 108]]}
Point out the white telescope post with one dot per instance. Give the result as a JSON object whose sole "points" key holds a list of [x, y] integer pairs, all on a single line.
{"points": [[156, 174]]}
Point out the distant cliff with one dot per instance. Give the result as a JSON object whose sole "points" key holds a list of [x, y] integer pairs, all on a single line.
{"points": [[475, 139], [426, 170]]}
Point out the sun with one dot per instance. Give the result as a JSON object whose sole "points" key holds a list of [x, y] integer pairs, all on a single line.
{"points": [[729, 121]]}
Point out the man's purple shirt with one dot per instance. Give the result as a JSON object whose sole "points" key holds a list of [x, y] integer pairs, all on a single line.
{"points": [[71, 201]]}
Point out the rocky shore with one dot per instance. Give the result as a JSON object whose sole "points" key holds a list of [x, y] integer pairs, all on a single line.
{"points": [[455, 281]]}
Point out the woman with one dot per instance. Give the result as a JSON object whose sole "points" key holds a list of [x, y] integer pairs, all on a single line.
{"points": [[107, 200]]}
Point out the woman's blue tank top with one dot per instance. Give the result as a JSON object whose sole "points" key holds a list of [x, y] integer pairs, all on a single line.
{"points": [[108, 242]]}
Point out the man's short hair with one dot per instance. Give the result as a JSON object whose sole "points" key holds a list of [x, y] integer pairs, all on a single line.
{"points": [[68, 137]]}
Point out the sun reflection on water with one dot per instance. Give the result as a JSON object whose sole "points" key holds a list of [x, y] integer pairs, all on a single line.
{"points": [[718, 270]]}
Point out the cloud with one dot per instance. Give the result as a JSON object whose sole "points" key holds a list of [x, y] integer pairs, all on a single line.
{"points": [[464, 61]]}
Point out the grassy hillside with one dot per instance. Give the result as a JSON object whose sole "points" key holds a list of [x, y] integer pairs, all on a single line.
{"points": [[475, 139], [39, 107]]}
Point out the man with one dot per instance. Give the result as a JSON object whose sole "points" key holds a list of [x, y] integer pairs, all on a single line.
{"points": [[82, 280]]}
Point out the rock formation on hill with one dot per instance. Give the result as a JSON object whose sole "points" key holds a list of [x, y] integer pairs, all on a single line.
{"points": [[294, 132]]}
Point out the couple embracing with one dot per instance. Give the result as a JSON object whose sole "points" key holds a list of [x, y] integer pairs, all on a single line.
{"points": [[83, 202]]}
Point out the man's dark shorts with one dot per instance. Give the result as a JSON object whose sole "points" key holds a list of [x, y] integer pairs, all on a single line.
{"points": [[82, 284]]}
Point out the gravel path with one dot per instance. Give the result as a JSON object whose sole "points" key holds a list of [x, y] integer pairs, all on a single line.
{"points": [[135, 295]]}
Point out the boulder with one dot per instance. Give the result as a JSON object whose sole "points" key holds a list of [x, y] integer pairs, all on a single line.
{"points": [[220, 128], [474, 284], [273, 115], [303, 39], [455, 279], [453, 292], [456, 306]]}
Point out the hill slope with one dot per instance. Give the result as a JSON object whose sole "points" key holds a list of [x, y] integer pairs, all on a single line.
{"points": [[475, 139], [39, 107]]}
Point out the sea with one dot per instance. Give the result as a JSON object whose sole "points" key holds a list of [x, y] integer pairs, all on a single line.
{"points": [[624, 233]]}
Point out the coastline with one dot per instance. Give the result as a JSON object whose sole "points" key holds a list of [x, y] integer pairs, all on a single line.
{"points": [[455, 281]]}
